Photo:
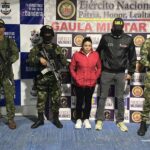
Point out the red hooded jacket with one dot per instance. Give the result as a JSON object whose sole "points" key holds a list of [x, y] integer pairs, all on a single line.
{"points": [[85, 69]]}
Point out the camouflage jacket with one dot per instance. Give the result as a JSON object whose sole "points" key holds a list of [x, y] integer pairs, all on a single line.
{"points": [[145, 53], [54, 52], [8, 55]]}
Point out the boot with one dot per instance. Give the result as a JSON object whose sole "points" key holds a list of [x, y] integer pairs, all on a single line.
{"points": [[56, 121], [11, 124], [39, 122], [143, 128]]}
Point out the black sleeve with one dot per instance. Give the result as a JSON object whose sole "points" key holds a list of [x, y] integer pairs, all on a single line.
{"points": [[101, 47], [131, 58]]}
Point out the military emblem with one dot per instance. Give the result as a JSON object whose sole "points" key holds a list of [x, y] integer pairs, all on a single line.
{"points": [[107, 114], [5, 8], [136, 117], [65, 51], [137, 91], [139, 40], [66, 9], [64, 102], [78, 40]]}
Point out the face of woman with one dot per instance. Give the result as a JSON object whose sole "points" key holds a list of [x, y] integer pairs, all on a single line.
{"points": [[87, 46]]}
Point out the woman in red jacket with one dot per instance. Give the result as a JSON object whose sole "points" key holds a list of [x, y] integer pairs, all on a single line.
{"points": [[85, 68]]}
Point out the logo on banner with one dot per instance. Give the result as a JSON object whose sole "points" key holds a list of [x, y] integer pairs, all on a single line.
{"points": [[64, 102], [107, 114], [138, 40], [136, 117], [65, 113], [66, 9], [74, 114], [109, 103], [137, 91], [136, 103], [64, 51], [64, 40], [5, 8], [78, 40]]}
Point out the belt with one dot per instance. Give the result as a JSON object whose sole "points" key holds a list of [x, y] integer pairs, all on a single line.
{"points": [[113, 71]]}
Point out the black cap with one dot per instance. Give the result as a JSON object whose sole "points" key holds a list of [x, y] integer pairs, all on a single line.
{"points": [[46, 29], [2, 23], [118, 22]]}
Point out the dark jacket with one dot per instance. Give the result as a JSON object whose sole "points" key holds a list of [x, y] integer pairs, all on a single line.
{"points": [[117, 53]]}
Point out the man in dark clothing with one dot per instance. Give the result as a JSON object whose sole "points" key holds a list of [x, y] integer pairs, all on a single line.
{"points": [[117, 52]]}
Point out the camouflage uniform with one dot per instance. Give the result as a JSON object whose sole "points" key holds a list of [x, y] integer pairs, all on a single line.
{"points": [[8, 55], [46, 84], [145, 61]]}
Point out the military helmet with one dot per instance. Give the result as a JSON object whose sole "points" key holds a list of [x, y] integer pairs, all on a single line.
{"points": [[46, 29]]}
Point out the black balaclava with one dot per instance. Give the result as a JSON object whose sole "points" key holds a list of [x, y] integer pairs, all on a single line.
{"points": [[47, 34], [117, 27]]}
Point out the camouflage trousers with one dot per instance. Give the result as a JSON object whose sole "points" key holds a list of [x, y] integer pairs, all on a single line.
{"points": [[9, 91], [146, 107], [47, 87]]}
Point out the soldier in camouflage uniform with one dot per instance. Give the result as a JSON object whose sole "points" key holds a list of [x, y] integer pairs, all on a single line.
{"points": [[46, 84], [8, 55], [145, 62]]}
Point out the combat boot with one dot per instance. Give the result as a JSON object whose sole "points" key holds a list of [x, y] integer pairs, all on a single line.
{"points": [[11, 124], [39, 122], [56, 121], [143, 128]]}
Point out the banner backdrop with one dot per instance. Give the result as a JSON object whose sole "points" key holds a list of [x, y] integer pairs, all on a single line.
{"points": [[72, 20]]}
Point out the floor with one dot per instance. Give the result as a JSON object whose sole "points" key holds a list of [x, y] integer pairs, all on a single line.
{"points": [[48, 137]]}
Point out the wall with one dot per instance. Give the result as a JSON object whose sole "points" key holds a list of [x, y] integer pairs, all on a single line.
{"points": [[73, 20]]}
